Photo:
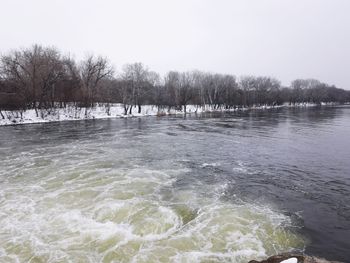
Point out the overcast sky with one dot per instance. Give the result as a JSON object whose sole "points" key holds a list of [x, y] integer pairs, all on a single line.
{"points": [[286, 39]]}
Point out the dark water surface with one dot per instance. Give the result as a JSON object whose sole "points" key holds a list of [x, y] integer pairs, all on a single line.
{"points": [[214, 187]]}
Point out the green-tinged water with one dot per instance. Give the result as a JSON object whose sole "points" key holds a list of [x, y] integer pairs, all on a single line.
{"points": [[86, 214]]}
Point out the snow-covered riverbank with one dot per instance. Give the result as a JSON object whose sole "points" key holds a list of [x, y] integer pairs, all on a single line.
{"points": [[103, 111], [73, 113]]}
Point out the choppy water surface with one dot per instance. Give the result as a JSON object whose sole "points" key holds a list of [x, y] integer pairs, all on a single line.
{"points": [[209, 188]]}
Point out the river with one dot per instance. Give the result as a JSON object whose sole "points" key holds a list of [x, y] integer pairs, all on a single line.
{"points": [[208, 188]]}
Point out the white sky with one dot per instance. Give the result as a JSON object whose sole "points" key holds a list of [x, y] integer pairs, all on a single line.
{"points": [[286, 39]]}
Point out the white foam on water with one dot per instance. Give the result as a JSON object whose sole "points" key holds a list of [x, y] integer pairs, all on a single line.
{"points": [[127, 216], [210, 164], [242, 167]]}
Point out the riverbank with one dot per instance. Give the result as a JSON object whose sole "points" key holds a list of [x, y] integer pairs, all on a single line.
{"points": [[104, 111]]}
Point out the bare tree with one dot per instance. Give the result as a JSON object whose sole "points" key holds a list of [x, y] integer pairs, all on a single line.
{"points": [[246, 84], [137, 77], [182, 84], [14, 80], [70, 88], [34, 72], [125, 93], [50, 72], [92, 71]]}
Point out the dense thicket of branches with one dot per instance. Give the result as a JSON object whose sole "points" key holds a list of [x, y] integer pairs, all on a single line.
{"points": [[41, 77]]}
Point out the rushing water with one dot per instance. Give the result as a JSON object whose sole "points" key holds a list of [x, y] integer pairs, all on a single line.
{"points": [[209, 188]]}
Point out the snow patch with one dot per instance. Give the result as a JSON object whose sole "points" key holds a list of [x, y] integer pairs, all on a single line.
{"points": [[290, 260]]}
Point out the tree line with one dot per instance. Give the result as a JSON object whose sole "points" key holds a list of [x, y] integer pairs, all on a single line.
{"points": [[43, 78]]}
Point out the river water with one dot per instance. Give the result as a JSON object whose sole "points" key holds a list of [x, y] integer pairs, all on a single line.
{"points": [[209, 188]]}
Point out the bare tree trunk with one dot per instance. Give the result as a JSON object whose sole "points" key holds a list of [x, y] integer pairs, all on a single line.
{"points": [[2, 115], [125, 109], [130, 110], [108, 109], [139, 111], [36, 109]]}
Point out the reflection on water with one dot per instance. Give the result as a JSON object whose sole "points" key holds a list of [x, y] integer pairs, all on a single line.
{"points": [[208, 188]]}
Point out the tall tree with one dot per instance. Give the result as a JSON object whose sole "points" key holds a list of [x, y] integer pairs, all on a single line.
{"points": [[138, 77], [92, 71]]}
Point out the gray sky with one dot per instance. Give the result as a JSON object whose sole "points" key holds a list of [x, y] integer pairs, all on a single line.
{"points": [[286, 39]]}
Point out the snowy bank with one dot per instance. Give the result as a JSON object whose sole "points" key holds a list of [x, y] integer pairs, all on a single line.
{"points": [[103, 111]]}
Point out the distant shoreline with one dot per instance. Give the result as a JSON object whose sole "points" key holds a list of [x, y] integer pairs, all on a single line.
{"points": [[105, 111]]}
